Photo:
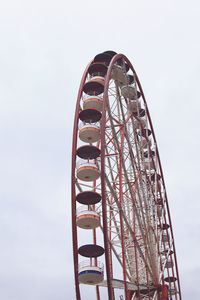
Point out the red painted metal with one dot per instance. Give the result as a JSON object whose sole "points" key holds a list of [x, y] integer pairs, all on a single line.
{"points": [[108, 257], [164, 292], [140, 87], [158, 156], [73, 204], [121, 220]]}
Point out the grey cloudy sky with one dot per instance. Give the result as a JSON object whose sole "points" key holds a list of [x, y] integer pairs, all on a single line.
{"points": [[45, 46]]}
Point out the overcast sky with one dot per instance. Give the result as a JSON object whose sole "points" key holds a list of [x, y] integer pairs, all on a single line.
{"points": [[44, 49]]}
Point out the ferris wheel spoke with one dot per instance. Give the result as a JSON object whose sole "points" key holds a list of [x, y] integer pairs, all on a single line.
{"points": [[143, 194], [117, 143], [128, 226], [117, 256], [116, 226]]}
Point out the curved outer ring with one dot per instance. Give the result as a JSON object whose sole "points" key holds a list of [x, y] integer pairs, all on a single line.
{"points": [[73, 190], [103, 124]]}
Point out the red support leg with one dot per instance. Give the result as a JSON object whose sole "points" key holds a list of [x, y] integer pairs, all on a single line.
{"points": [[163, 292]]}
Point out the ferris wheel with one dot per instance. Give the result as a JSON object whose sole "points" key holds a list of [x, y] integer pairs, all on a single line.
{"points": [[123, 243]]}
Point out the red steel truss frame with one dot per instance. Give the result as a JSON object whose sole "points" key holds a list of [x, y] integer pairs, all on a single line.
{"points": [[105, 213]]}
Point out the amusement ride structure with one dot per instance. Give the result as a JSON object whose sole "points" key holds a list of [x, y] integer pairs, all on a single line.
{"points": [[123, 241]]}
